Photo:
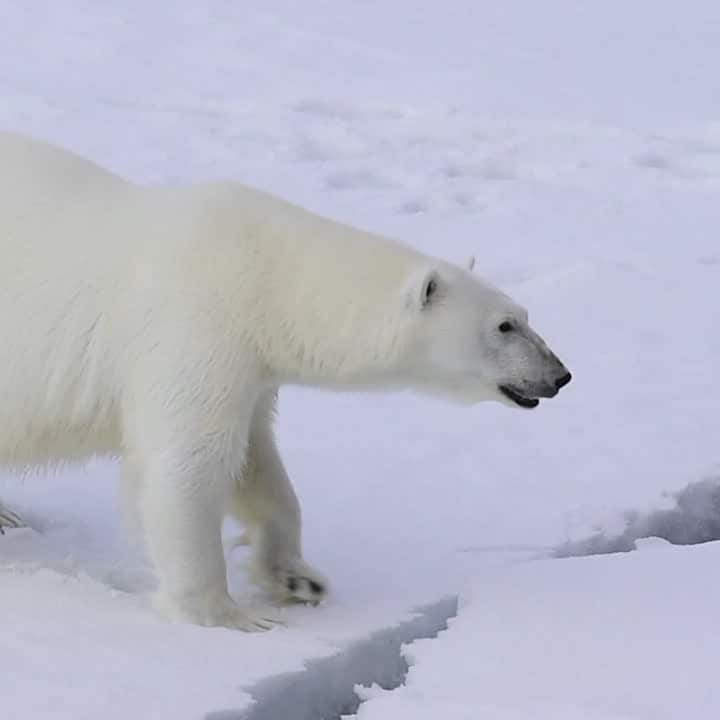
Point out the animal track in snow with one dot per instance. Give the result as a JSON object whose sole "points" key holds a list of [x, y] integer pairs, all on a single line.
{"points": [[694, 157], [355, 180], [709, 260]]}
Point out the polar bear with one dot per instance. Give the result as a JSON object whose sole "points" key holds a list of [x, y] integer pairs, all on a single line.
{"points": [[157, 324]]}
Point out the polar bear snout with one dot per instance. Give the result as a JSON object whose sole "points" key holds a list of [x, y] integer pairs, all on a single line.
{"points": [[549, 389], [543, 375], [557, 377]]}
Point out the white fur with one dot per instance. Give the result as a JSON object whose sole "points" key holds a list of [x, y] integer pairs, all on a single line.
{"points": [[157, 324]]}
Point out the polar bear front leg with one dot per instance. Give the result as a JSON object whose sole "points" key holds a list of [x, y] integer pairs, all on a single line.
{"points": [[264, 501], [182, 510], [184, 455]]}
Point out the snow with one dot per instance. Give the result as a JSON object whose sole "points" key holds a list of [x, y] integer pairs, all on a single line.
{"points": [[574, 148], [626, 637]]}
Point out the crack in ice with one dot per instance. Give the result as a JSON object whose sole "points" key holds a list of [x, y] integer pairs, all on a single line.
{"points": [[695, 519], [325, 690]]}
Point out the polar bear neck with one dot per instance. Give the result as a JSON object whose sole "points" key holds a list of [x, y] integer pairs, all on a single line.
{"points": [[336, 295]]}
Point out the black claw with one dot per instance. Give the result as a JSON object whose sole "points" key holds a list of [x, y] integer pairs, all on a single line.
{"points": [[292, 584], [316, 587]]}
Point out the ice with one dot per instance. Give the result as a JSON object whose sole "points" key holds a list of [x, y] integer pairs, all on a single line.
{"points": [[624, 637], [574, 149]]}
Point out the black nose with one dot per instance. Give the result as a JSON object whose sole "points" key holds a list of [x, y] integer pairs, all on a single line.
{"points": [[563, 381]]}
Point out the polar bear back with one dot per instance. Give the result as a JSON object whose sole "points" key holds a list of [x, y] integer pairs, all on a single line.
{"points": [[97, 273], [36, 178], [54, 208]]}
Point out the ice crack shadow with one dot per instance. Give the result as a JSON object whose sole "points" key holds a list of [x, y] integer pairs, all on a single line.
{"points": [[325, 690]]}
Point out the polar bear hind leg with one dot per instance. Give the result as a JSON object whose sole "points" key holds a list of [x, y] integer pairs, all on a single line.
{"points": [[263, 500]]}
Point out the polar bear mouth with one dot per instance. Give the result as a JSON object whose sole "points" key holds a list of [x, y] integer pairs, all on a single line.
{"points": [[517, 397]]}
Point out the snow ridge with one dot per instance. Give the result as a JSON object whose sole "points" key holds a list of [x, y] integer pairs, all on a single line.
{"points": [[695, 519]]}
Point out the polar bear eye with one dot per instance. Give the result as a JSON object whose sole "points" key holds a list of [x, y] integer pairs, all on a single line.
{"points": [[505, 327], [430, 290]]}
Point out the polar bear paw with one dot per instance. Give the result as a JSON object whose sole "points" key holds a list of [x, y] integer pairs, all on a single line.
{"points": [[222, 612], [292, 581], [8, 519]]}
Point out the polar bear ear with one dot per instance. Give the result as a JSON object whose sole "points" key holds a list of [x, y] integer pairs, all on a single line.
{"points": [[424, 289]]}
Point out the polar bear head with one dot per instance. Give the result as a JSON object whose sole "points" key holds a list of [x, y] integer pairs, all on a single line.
{"points": [[470, 342]]}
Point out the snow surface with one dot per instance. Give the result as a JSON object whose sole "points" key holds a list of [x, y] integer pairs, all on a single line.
{"points": [[624, 637], [574, 148]]}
